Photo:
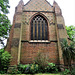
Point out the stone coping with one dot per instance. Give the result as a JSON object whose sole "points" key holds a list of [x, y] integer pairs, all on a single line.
{"points": [[39, 41]]}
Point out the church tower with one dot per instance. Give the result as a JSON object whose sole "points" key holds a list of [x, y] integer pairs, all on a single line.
{"points": [[37, 27]]}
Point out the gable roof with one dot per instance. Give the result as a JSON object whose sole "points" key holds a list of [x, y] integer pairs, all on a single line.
{"points": [[38, 5]]}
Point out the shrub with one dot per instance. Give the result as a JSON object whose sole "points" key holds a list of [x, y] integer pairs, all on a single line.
{"points": [[41, 60], [68, 52], [28, 69], [34, 68], [2, 72], [13, 70], [73, 71], [51, 68], [66, 72], [4, 60], [44, 66], [24, 68]]}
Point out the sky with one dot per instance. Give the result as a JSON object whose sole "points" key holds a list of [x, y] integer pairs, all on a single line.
{"points": [[67, 7]]}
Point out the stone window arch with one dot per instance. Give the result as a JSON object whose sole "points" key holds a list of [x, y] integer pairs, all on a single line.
{"points": [[39, 28]]}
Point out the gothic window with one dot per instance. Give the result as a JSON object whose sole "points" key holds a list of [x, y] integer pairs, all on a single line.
{"points": [[39, 28]]}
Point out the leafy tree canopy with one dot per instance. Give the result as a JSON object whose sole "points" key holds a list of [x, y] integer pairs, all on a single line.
{"points": [[4, 5], [71, 32], [4, 21], [4, 61]]}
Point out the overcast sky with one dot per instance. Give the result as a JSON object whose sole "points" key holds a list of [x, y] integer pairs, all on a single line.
{"points": [[67, 7]]}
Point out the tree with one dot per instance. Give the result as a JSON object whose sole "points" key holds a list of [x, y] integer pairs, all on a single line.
{"points": [[71, 32], [4, 21], [68, 52], [5, 58], [4, 6]]}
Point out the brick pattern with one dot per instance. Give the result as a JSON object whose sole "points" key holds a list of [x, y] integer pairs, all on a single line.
{"points": [[57, 9], [30, 50], [15, 34], [60, 30], [26, 19], [38, 5], [9, 41], [14, 54], [19, 6]]}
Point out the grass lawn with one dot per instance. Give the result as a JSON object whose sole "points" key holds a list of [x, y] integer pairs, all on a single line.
{"points": [[47, 74], [29, 74]]}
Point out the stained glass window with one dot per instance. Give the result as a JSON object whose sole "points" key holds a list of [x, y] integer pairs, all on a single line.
{"points": [[39, 28]]}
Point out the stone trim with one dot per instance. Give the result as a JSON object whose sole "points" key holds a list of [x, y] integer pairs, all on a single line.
{"points": [[18, 13], [24, 41], [15, 42], [39, 41], [58, 15], [39, 11], [61, 39], [53, 41], [52, 23], [48, 3], [27, 3], [17, 25], [60, 26]]}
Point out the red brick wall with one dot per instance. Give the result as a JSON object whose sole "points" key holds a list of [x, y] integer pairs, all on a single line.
{"points": [[30, 50], [9, 41]]}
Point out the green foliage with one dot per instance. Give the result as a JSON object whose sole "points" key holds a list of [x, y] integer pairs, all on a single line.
{"points": [[41, 60], [66, 72], [4, 21], [51, 68], [28, 69], [73, 71], [71, 32], [44, 66], [14, 70], [1, 51], [65, 49], [72, 51], [4, 6], [68, 52], [34, 68], [4, 60], [4, 27], [24, 68], [2, 72]]}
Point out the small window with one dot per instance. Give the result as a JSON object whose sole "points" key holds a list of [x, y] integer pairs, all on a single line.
{"points": [[39, 28]]}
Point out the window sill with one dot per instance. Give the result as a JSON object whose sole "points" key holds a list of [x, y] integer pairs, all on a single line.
{"points": [[42, 41]]}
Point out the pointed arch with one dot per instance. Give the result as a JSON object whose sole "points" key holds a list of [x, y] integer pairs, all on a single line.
{"points": [[39, 27]]}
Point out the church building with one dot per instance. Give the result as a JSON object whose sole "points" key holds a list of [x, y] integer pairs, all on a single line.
{"points": [[38, 27]]}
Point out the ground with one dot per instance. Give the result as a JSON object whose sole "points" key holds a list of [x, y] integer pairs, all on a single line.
{"points": [[30, 74]]}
